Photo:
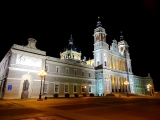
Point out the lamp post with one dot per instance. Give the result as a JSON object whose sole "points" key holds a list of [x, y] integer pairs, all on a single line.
{"points": [[84, 91], [148, 88], [126, 83], [44, 85], [41, 74]]}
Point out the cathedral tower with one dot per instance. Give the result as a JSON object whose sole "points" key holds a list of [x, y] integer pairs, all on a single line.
{"points": [[101, 49], [100, 46], [124, 51]]}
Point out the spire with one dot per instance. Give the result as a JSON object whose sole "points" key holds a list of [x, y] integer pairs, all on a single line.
{"points": [[99, 23], [71, 40], [121, 37]]}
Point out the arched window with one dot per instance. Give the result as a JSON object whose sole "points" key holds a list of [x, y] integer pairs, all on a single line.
{"points": [[105, 63], [98, 63]]}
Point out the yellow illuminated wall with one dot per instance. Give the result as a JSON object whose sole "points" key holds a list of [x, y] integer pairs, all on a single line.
{"points": [[116, 63], [90, 62]]}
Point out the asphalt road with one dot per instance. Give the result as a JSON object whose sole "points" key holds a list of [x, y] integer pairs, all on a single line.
{"points": [[88, 108]]}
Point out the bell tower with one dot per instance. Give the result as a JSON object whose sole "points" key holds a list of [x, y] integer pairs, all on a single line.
{"points": [[124, 51], [101, 49], [100, 45]]}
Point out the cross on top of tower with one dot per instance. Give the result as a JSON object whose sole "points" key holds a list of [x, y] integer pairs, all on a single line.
{"points": [[99, 23], [71, 40], [121, 36]]}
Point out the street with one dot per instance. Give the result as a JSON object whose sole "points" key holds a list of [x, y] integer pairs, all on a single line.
{"points": [[82, 108]]}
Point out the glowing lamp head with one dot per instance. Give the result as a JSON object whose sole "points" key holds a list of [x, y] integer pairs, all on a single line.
{"points": [[126, 82], [42, 73], [84, 86], [149, 85]]}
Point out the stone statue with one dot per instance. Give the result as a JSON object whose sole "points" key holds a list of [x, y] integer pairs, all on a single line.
{"points": [[25, 85], [84, 59], [32, 43]]}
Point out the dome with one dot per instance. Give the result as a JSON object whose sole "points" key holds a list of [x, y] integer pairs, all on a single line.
{"points": [[71, 47]]}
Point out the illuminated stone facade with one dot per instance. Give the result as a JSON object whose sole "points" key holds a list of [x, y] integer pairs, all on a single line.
{"points": [[105, 74]]}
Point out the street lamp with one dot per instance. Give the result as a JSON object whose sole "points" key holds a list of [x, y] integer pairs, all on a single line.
{"points": [[41, 74], [148, 87], [84, 95], [126, 83], [44, 86]]}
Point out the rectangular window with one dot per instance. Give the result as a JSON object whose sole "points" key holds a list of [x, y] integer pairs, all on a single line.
{"points": [[83, 88], [75, 88], [47, 68], [82, 73], [57, 69], [89, 88], [56, 89], [5, 64], [105, 63], [45, 88], [65, 88], [67, 70], [75, 72], [89, 74], [98, 63]]}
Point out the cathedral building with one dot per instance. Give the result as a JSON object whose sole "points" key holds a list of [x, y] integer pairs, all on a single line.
{"points": [[109, 72]]}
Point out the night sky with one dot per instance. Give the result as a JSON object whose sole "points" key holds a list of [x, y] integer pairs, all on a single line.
{"points": [[51, 24]]}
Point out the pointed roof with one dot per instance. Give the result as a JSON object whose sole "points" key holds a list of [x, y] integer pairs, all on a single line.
{"points": [[99, 23], [71, 40], [121, 37], [71, 46]]}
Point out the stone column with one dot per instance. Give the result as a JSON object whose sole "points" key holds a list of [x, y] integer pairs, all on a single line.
{"points": [[118, 84], [110, 83], [123, 84], [114, 80]]}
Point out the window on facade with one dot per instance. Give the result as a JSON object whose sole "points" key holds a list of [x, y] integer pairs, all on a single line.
{"points": [[9, 60], [57, 69], [89, 74], [56, 88], [45, 88], [82, 73], [47, 68], [98, 63], [105, 63], [83, 88], [6, 74], [67, 71], [89, 88], [65, 88], [5, 64], [75, 88], [75, 72]]}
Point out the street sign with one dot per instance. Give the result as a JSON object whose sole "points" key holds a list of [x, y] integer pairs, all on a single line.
{"points": [[9, 87]]}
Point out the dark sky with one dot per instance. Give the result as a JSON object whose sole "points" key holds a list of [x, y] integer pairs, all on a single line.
{"points": [[52, 23]]}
